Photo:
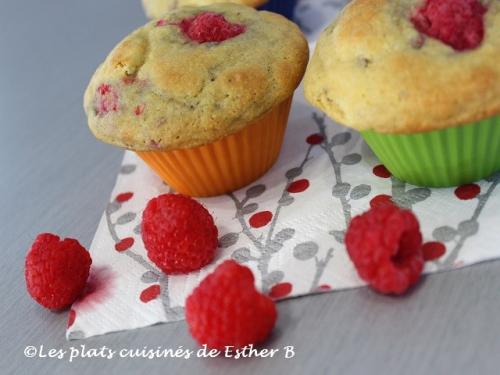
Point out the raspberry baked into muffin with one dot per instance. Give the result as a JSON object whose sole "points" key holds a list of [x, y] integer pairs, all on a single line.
{"points": [[157, 8], [202, 95], [420, 79]]}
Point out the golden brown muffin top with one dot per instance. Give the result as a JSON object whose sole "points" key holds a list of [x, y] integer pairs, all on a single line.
{"points": [[372, 69], [159, 89]]}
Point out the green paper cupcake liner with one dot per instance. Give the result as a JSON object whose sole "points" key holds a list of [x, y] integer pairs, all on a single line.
{"points": [[441, 158]]}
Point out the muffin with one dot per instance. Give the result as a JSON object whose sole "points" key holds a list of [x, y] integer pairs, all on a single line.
{"points": [[420, 80], [202, 95], [157, 8]]}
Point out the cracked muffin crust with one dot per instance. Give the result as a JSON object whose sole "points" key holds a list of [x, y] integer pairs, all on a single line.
{"points": [[162, 88], [373, 70], [157, 8]]}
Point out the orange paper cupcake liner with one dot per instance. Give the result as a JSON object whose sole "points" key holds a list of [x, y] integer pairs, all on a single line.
{"points": [[227, 164]]}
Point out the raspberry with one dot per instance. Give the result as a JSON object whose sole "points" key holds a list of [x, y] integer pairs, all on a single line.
{"points": [[457, 23], [227, 310], [385, 245], [315, 139], [56, 271], [107, 100], [210, 27], [179, 233]]}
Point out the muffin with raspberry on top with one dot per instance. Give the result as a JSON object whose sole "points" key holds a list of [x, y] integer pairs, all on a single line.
{"points": [[420, 80], [202, 95]]}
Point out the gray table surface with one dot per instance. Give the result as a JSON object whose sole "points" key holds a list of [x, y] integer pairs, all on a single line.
{"points": [[55, 177]]}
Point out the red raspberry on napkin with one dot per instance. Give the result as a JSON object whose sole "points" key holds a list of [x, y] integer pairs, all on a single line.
{"points": [[179, 233], [227, 310], [385, 245]]}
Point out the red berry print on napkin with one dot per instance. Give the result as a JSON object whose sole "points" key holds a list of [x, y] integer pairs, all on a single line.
{"points": [[260, 219], [433, 250], [99, 288], [324, 288], [467, 191], [124, 244], [280, 290], [315, 139], [298, 186], [71, 317], [124, 197], [150, 293], [380, 200], [381, 171]]}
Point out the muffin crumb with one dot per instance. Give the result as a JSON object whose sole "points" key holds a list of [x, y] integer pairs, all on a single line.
{"points": [[363, 62]]}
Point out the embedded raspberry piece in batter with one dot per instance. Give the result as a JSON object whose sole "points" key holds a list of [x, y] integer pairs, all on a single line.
{"points": [[106, 100], [457, 23], [385, 245], [210, 27]]}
